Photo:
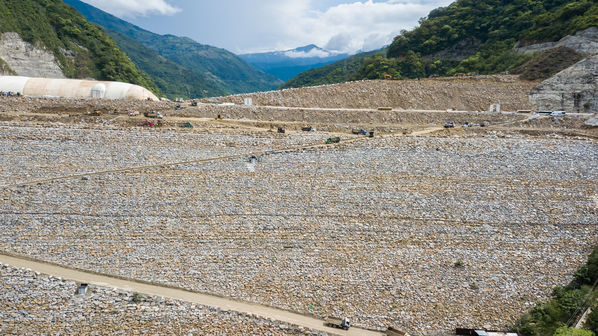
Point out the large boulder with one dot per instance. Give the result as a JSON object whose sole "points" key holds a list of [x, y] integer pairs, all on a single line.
{"points": [[592, 122]]}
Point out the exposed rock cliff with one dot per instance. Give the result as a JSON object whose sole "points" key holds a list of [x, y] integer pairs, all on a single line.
{"points": [[574, 89], [585, 42], [27, 60]]}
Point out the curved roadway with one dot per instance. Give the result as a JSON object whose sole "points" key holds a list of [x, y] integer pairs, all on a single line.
{"points": [[179, 294]]}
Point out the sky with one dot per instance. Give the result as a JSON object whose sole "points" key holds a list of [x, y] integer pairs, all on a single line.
{"points": [[243, 26]]}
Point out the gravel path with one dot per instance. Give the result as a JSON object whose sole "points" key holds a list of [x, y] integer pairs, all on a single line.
{"points": [[34, 304]]}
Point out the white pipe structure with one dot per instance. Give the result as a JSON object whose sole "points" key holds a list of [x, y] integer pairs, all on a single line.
{"points": [[73, 88]]}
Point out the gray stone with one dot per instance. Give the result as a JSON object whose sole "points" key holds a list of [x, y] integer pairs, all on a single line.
{"points": [[574, 89], [593, 122], [585, 42], [27, 60]]}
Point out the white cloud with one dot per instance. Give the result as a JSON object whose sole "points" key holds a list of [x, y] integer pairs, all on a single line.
{"points": [[128, 8], [311, 53], [342, 26], [348, 27]]}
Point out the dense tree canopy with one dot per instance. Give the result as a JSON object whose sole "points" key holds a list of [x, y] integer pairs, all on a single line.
{"points": [[496, 25]]}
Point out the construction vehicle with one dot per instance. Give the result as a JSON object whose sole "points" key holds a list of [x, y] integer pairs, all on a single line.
{"points": [[390, 331], [333, 140], [153, 114], [186, 125], [338, 322], [95, 113]]}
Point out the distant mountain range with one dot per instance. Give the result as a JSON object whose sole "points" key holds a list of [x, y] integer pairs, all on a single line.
{"points": [[179, 65], [289, 63]]}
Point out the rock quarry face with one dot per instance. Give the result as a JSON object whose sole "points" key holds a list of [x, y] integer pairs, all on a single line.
{"points": [[574, 89], [27, 60], [585, 42]]}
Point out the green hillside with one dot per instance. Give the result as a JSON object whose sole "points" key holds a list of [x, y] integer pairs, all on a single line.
{"points": [[57, 27], [493, 27], [173, 79], [472, 36], [337, 72], [221, 70]]}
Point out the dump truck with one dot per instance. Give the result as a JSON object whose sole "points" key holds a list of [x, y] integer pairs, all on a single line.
{"points": [[338, 322], [153, 114], [333, 140]]}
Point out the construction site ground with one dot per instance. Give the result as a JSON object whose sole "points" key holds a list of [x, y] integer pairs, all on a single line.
{"points": [[420, 227]]}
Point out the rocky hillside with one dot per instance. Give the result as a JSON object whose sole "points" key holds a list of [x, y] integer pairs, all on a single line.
{"points": [[50, 39], [470, 93], [216, 71]]}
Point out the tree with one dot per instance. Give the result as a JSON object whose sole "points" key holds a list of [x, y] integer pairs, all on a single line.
{"points": [[592, 322], [566, 331]]}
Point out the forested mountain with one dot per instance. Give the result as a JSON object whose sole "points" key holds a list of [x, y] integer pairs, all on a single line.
{"points": [[82, 49], [222, 71], [337, 72], [473, 36], [173, 79]]}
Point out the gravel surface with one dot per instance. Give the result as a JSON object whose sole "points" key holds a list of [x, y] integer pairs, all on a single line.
{"points": [[425, 233], [473, 93], [32, 152], [36, 304]]}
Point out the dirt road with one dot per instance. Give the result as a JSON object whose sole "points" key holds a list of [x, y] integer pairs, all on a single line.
{"points": [[179, 294]]}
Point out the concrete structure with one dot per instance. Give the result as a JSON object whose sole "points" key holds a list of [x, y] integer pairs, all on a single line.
{"points": [[574, 89], [73, 88]]}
